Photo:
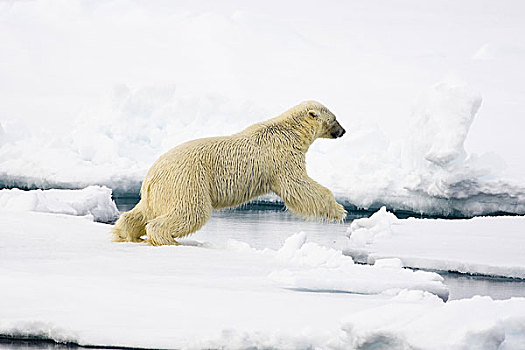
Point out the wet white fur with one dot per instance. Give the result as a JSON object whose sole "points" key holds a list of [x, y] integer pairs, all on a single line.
{"points": [[186, 183]]}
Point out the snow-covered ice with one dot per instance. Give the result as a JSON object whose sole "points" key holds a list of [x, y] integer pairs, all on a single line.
{"points": [[91, 93], [94, 201], [428, 172], [414, 320], [433, 112], [63, 279], [493, 246]]}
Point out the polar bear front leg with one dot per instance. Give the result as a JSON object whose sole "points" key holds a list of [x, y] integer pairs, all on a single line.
{"points": [[305, 197]]}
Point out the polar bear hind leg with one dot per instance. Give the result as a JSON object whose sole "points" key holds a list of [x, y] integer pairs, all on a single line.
{"points": [[130, 226], [177, 224]]}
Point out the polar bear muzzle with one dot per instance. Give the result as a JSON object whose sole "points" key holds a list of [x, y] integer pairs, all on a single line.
{"points": [[337, 130]]}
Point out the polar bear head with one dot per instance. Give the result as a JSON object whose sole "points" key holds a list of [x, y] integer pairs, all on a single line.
{"points": [[328, 126]]}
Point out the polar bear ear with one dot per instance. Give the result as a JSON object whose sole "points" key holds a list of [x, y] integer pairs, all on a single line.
{"points": [[314, 114]]}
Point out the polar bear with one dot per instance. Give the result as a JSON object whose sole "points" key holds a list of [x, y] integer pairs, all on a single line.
{"points": [[185, 184]]}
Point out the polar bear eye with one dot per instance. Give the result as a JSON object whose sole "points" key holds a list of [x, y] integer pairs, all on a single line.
{"points": [[314, 114]]}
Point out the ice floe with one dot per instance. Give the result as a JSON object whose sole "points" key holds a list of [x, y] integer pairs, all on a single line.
{"points": [[482, 245], [94, 201], [64, 279]]}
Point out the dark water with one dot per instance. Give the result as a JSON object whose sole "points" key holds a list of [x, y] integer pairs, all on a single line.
{"points": [[463, 286], [7, 343], [127, 202]]}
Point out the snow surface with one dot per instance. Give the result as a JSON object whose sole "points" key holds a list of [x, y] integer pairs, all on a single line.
{"points": [[476, 323], [492, 246], [62, 278], [432, 97], [93, 93], [94, 201]]}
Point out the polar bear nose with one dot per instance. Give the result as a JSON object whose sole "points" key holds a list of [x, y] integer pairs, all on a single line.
{"points": [[337, 132]]}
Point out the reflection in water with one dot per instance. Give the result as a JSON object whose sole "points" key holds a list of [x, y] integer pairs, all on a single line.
{"points": [[264, 225], [268, 229], [6, 344], [44, 344], [463, 286]]}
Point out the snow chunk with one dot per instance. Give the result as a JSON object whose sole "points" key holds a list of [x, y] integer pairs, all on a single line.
{"points": [[443, 118], [364, 230], [311, 267], [95, 201], [291, 246], [297, 252]]}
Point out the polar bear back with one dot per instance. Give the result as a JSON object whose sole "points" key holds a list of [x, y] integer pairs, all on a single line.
{"points": [[232, 170]]}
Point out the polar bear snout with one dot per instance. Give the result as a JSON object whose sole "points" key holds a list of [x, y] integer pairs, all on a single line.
{"points": [[337, 131]]}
